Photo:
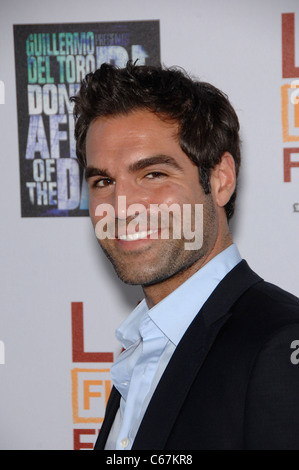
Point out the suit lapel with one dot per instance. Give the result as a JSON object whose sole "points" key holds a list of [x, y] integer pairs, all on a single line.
{"points": [[112, 407], [189, 357]]}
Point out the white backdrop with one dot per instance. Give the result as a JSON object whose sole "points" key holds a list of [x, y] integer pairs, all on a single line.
{"points": [[48, 263]]}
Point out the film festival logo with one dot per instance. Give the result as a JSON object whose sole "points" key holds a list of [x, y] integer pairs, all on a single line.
{"points": [[294, 99], [290, 101], [91, 385], [160, 221]]}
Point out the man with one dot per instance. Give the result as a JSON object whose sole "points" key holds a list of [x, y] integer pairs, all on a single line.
{"points": [[209, 357]]}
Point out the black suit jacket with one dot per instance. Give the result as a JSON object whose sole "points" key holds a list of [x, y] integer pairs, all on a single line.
{"points": [[230, 383]]}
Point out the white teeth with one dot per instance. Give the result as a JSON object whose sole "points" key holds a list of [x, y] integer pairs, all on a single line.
{"points": [[135, 236]]}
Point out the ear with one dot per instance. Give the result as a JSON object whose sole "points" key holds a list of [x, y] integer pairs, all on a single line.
{"points": [[223, 180]]}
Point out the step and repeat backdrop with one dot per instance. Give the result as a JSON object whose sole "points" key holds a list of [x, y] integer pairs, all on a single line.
{"points": [[60, 298]]}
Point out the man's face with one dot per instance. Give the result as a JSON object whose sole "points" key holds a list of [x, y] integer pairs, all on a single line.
{"points": [[138, 156]]}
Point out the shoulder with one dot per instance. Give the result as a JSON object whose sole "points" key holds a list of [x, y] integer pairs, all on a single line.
{"points": [[261, 313], [272, 411], [268, 304], [265, 326], [274, 313], [272, 293]]}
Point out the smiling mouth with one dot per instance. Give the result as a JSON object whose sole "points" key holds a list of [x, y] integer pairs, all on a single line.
{"points": [[137, 236]]}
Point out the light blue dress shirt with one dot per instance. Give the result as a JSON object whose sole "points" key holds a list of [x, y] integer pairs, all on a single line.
{"points": [[150, 338]]}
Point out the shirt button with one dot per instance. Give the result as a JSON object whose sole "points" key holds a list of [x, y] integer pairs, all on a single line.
{"points": [[124, 443]]}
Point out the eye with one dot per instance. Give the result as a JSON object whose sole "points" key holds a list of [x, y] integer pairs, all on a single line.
{"points": [[103, 182], [155, 175]]}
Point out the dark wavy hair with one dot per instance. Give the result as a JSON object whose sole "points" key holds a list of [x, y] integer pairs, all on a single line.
{"points": [[208, 124]]}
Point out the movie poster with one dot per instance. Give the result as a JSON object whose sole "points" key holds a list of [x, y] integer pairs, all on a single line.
{"points": [[51, 60]]}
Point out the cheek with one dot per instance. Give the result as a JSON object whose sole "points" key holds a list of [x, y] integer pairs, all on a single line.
{"points": [[173, 193], [92, 208]]}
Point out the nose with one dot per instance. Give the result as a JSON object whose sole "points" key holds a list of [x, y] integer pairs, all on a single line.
{"points": [[129, 197]]}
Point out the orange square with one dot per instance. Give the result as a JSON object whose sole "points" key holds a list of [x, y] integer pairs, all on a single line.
{"points": [[90, 392], [289, 107]]}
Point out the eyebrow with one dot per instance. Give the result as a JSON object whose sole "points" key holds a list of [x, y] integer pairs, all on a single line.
{"points": [[136, 166], [154, 160], [91, 171]]}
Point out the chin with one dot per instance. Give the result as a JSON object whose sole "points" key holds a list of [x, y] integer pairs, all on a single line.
{"points": [[139, 279]]}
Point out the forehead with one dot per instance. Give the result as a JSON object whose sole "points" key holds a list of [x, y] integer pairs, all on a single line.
{"points": [[138, 131]]}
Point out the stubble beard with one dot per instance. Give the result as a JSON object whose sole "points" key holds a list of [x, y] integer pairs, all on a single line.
{"points": [[169, 260]]}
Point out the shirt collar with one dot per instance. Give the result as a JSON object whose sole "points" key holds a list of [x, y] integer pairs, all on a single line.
{"points": [[129, 331], [174, 314]]}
